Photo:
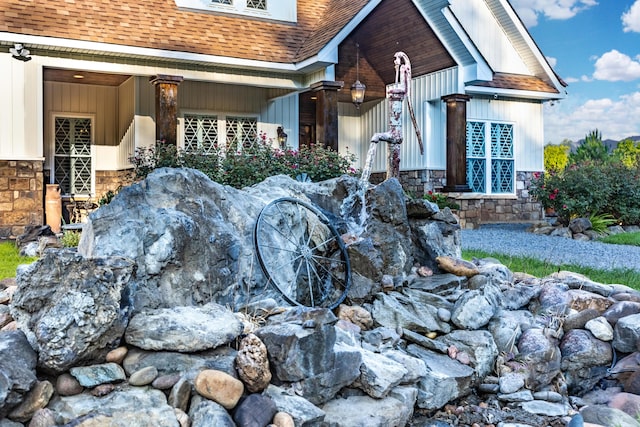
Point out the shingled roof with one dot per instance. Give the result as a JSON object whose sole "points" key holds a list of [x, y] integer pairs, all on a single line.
{"points": [[516, 82], [160, 24]]}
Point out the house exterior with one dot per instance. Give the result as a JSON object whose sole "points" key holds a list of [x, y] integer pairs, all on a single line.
{"points": [[102, 78]]}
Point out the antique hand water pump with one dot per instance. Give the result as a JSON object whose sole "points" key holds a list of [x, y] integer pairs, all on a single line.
{"points": [[396, 94]]}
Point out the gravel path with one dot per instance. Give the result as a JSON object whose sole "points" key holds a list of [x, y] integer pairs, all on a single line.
{"points": [[513, 239]]}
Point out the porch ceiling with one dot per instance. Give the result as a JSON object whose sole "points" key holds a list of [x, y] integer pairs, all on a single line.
{"points": [[88, 78]]}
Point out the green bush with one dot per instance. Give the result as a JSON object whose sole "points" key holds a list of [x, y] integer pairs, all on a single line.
{"points": [[249, 166], [441, 200], [591, 188]]}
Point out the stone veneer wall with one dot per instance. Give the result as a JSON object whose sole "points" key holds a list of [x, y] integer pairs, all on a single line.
{"points": [[475, 209], [111, 180], [21, 196]]}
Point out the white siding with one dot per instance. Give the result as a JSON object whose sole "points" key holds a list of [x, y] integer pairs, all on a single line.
{"points": [[488, 36], [527, 119], [283, 111], [21, 112], [429, 112]]}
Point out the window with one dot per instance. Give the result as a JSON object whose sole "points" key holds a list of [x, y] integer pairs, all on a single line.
{"points": [[490, 163], [230, 2], [202, 132], [257, 4], [72, 155]]}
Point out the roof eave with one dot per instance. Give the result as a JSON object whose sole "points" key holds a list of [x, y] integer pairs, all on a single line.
{"points": [[514, 93]]}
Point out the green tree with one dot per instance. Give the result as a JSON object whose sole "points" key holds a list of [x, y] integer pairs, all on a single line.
{"points": [[556, 157], [627, 152], [592, 149]]}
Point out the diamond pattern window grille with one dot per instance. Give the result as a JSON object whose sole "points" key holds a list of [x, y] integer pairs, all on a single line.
{"points": [[502, 176], [200, 133], [72, 155], [257, 4], [501, 141], [476, 175], [475, 139], [494, 162], [222, 1], [242, 132]]}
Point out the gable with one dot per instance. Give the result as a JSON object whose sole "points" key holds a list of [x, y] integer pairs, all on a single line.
{"points": [[394, 25]]}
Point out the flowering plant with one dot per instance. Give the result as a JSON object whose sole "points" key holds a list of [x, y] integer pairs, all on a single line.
{"points": [[544, 190], [441, 200]]}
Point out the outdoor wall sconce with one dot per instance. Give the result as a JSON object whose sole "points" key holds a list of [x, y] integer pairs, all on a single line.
{"points": [[20, 53], [357, 89], [282, 137]]}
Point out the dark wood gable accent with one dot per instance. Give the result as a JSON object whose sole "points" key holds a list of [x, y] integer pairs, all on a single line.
{"points": [[394, 25]]}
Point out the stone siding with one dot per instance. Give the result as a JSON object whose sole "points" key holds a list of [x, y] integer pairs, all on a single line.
{"points": [[21, 196], [475, 209], [111, 180]]}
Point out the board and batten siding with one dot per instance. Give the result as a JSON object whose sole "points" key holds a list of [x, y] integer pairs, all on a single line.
{"points": [[21, 111], [430, 115], [527, 120]]}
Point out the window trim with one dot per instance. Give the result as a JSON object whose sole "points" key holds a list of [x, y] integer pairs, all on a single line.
{"points": [[222, 119], [52, 148], [489, 159], [278, 12]]}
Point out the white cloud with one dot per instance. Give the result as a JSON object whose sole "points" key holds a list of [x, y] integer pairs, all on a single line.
{"points": [[615, 66], [530, 10], [631, 18], [571, 80], [552, 61], [616, 119]]}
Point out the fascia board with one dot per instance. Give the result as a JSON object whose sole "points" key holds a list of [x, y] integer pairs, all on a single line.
{"points": [[513, 93]]}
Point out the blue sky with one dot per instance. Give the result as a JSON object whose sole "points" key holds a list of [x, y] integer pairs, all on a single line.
{"points": [[594, 45]]}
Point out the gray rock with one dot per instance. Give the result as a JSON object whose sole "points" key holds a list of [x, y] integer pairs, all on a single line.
{"points": [[415, 367], [180, 395], [126, 407], [579, 225], [563, 232], [511, 382], [395, 310], [626, 334], [436, 238], [143, 376], [585, 360], [602, 415], [549, 396], [17, 370], [600, 328], [477, 344], [254, 410], [541, 356], [304, 413], [361, 411], [436, 284], [91, 376], [446, 379], [77, 319], [220, 359], [37, 398], [582, 282], [472, 311], [579, 319], [519, 295], [506, 328], [183, 329], [548, 409], [518, 396], [380, 339], [621, 309], [378, 374], [204, 412]]}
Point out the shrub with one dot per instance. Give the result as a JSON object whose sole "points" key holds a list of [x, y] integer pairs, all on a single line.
{"points": [[250, 165], [441, 200], [556, 157], [592, 150], [70, 239]]}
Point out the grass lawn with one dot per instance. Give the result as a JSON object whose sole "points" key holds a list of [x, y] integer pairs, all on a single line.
{"points": [[9, 260], [538, 268], [632, 239]]}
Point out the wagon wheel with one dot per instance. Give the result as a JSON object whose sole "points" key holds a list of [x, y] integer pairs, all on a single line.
{"points": [[302, 254]]}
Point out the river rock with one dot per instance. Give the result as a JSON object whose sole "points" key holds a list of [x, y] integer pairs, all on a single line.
{"points": [[506, 328], [541, 355], [91, 376], [180, 394], [626, 334], [621, 309], [67, 385], [17, 370], [37, 398], [628, 403], [117, 355], [605, 416], [282, 419], [457, 266], [143, 376], [165, 382], [600, 328], [357, 315], [75, 320], [479, 345], [473, 310], [184, 329], [379, 412], [301, 410], [129, 406], [255, 410], [204, 412], [252, 364], [219, 387]]}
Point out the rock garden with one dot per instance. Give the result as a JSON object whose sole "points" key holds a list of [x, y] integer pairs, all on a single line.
{"points": [[163, 316]]}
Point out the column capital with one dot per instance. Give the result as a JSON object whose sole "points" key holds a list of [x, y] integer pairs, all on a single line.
{"points": [[165, 78], [456, 97], [326, 85]]}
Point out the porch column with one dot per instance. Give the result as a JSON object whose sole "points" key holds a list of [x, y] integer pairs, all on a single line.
{"points": [[166, 107], [327, 112], [456, 143]]}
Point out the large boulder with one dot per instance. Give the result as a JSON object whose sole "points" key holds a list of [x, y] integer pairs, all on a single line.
{"points": [[17, 370], [72, 309]]}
